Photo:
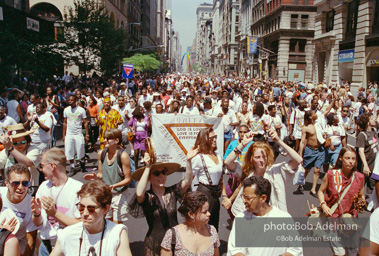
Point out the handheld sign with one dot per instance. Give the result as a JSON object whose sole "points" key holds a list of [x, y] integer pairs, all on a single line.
{"points": [[127, 70]]}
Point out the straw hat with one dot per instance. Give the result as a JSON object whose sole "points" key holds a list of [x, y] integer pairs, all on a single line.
{"points": [[17, 131], [171, 168]]}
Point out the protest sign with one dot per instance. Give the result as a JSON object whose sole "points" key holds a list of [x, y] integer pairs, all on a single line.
{"points": [[173, 135]]}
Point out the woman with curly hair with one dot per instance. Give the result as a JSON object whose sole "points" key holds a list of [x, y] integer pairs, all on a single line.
{"points": [[259, 161], [204, 238]]}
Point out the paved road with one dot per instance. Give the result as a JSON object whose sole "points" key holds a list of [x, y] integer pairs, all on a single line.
{"points": [[297, 207]]}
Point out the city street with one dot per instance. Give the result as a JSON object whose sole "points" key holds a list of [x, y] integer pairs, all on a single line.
{"points": [[297, 207]]}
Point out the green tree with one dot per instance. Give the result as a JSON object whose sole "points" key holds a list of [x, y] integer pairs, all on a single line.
{"points": [[144, 63], [91, 41]]}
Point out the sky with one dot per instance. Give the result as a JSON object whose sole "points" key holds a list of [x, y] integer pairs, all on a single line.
{"points": [[184, 20]]}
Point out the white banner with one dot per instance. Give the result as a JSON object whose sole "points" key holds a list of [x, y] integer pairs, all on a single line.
{"points": [[173, 135]]}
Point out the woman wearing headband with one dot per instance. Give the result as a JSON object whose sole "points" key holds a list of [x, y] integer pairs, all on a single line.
{"points": [[94, 235], [158, 204]]}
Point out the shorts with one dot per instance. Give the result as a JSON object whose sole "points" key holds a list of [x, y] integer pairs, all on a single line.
{"points": [[228, 136], [74, 143], [297, 134], [119, 206], [332, 156], [313, 157]]}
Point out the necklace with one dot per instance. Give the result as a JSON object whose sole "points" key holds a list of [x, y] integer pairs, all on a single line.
{"points": [[101, 241], [56, 198]]}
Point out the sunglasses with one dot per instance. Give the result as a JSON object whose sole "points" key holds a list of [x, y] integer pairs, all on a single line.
{"points": [[90, 208], [21, 142], [15, 184], [157, 173], [213, 137]]}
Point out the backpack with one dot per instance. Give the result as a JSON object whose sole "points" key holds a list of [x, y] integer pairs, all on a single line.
{"points": [[132, 183]]}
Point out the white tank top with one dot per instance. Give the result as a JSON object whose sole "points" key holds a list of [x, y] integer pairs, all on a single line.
{"points": [[141, 126]]}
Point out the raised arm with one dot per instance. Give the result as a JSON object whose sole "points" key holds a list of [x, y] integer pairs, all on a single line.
{"points": [[186, 183], [142, 184], [229, 161], [296, 159]]}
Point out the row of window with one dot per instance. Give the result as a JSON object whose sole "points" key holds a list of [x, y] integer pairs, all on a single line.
{"points": [[303, 21]]}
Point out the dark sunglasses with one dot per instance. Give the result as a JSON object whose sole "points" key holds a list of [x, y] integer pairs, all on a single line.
{"points": [[157, 173], [21, 142], [213, 137], [15, 184], [90, 208]]}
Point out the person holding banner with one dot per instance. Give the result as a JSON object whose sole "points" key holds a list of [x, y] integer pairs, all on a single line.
{"points": [[159, 203], [207, 168]]}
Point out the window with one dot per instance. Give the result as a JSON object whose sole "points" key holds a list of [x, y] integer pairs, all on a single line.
{"points": [[352, 13], [375, 25], [329, 24], [305, 2], [294, 21], [297, 45], [295, 1], [304, 21]]}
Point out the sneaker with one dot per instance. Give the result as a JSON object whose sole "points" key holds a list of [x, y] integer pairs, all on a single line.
{"points": [[300, 188]]}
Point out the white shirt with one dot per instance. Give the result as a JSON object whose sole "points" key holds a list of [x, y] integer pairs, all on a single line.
{"points": [[124, 125], [259, 236], [39, 135], [371, 231], [278, 174], [12, 110], [335, 133], [142, 99], [227, 119], [7, 120], [23, 214], [65, 198], [256, 124], [32, 153], [215, 170], [32, 109], [299, 122], [189, 111], [69, 239], [74, 119]]}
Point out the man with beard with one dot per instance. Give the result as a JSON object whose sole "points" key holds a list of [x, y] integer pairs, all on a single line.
{"points": [[16, 198], [40, 124], [107, 119], [123, 110], [230, 120], [73, 138], [5, 121], [256, 197]]}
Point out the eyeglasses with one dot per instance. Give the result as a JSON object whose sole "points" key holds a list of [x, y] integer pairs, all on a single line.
{"points": [[15, 184], [247, 198], [213, 137], [157, 173], [21, 142], [90, 208], [243, 132], [108, 139]]}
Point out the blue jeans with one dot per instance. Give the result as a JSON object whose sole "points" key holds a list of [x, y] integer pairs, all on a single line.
{"points": [[54, 133], [42, 251]]}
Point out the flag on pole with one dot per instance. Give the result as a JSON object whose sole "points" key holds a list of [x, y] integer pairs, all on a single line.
{"points": [[252, 43]]}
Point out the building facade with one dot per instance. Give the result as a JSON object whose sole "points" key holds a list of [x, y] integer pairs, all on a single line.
{"points": [[204, 14], [347, 42]]}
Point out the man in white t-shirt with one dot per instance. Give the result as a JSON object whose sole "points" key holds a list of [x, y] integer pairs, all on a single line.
{"points": [[54, 206], [5, 121], [123, 110], [297, 123], [74, 117], [16, 198], [256, 197], [228, 118], [144, 97], [34, 99], [40, 124]]}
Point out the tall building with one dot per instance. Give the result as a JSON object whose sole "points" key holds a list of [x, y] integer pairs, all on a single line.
{"points": [[285, 31], [347, 42], [133, 22], [204, 14]]}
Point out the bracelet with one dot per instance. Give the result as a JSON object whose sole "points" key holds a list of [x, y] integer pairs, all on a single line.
{"points": [[37, 215], [323, 202], [237, 151], [224, 196]]}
